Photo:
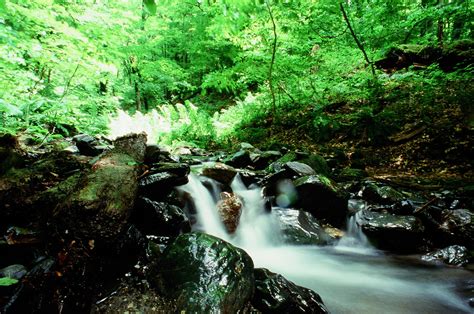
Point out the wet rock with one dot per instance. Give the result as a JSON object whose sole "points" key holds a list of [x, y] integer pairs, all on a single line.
{"points": [[219, 172], [204, 274], [159, 218], [22, 236], [352, 174], [322, 198], [156, 246], [261, 160], [15, 271], [275, 294], [317, 163], [156, 154], [298, 169], [381, 194], [86, 144], [390, 232], [452, 255], [458, 227], [240, 159], [300, 228], [229, 208], [162, 179]]}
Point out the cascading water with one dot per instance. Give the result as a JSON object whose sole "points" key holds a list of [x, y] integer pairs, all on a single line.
{"points": [[348, 283]]}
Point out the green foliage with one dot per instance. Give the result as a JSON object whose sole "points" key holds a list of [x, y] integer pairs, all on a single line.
{"points": [[6, 281]]}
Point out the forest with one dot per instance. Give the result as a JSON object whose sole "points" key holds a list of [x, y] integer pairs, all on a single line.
{"points": [[253, 156]]}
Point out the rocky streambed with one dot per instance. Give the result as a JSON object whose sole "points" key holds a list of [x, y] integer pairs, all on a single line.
{"points": [[91, 226]]}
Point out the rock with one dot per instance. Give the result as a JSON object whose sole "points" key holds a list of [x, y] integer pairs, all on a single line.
{"points": [[230, 209], [381, 194], [317, 163], [162, 179], [452, 255], [204, 274], [300, 228], [261, 160], [219, 172], [458, 227], [99, 206], [22, 236], [298, 169], [86, 144], [159, 218], [240, 159], [352, 174], [275, 294], [156, 154], [15, 271], [322, 198], [390, 232], [11, 155]]}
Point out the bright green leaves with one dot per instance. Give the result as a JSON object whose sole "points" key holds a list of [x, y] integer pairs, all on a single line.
{"points": [[3, 5], [6, 281], [149, 6]]}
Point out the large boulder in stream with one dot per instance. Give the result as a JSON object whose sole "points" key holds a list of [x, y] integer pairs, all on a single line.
{"points": [[321, 197], [219, 172], [204, 274], [392, 232], [99, 205], [452, 255], [162, 178], [275, 294], [300, 227]]}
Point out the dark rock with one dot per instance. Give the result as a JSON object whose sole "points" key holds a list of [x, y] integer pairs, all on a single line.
{"points": [[240, 159], [381, 194], [179, 169], [321, 197], [299, 169], [204, 274], [15, 271], [11, 155], [275, 294], [86, 144], [301, 228], [162, 179], [219, 172], [156, 246], [459, 54], [458, 227], [155, 154], [22, 236], [390, 232], [229, 208], [451, 255], [261, 160], [159, 218]]}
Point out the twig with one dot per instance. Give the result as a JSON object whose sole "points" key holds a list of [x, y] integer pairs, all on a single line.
{"points": [[270, 71], [69, 83], [422, 208]]}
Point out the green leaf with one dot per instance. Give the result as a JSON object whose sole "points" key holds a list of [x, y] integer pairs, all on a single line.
{"points": [[150, 6], [6, 281], [9, 109]]}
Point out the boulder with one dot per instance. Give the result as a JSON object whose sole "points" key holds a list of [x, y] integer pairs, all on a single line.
{"points": [[317, 163], [204, 274], [99, 205], [86, 145], [457, 227], [275, 294], [162, 178], [298, 169], [219, 172], [381, 194], [155, 154], [402, 234], [452, 255], [159, 218], [240, 159], [352, 174], [261, 160], [230, 209], [15, 271], [321, 197], [300, 228]]}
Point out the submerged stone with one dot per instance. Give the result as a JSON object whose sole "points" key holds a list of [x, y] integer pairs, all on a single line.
{"points": [[204, 274], [275, 294], [230, 209]]}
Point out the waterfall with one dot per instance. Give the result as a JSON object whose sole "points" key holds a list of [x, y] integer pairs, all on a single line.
{"points": [[349, 276]]}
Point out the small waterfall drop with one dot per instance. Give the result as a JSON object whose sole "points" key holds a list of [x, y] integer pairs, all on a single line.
{"points": [[350, 277]]}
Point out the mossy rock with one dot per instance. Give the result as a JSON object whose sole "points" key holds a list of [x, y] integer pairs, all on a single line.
{"points": [[204, 274], [352, 174]]}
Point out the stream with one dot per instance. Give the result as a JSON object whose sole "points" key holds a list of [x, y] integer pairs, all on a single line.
{"points": [[351, 276]]}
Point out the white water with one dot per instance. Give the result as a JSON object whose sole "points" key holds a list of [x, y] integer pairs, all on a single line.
{"points": [[351, 277]]}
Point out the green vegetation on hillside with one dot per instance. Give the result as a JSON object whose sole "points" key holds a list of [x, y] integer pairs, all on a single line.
{"points": [[242, 70]]}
